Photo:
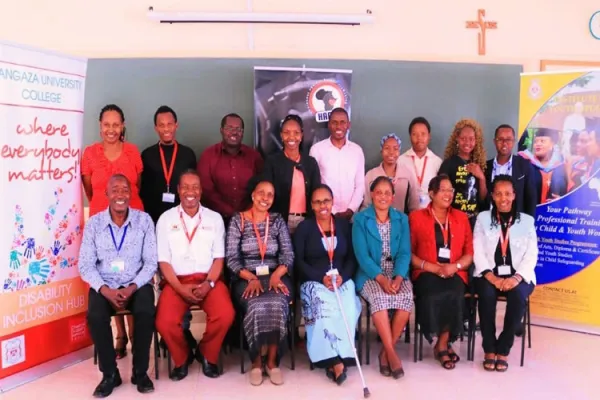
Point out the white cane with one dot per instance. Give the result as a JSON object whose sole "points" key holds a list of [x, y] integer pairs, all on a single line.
{"points": [[333, 273]]}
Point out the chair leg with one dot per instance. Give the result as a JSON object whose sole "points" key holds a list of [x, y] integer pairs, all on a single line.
{"points": [[368, 336], [241, 347], [292, 334], [420, 346], [525, 333], [416, 337], [407, 333], [156, 354], [528, 314], [95, 356], [473, 328], [168, 357]]}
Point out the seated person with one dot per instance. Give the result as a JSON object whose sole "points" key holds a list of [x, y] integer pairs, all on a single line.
{"points": [[260, 257], [382, 246], [117, 259], [506, 253], [191, 252], [442, 250], [323, 243]]}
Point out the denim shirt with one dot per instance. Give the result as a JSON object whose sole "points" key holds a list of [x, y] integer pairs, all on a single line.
{"points": [[138, 252]]}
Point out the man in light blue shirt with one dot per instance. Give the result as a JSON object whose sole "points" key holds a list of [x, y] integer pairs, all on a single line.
{"points": [[118, 259]]}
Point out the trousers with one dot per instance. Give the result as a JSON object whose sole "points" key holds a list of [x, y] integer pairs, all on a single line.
{"points": [[219, 316], [99, 314], [515, 311]]}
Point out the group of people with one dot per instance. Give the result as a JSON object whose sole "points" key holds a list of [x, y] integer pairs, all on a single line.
{"points": [[234, 235]]}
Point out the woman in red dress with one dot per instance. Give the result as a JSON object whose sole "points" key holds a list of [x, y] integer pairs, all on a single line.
{"points": [[112, 155]]}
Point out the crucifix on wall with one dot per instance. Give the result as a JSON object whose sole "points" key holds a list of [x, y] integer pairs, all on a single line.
{"points": [[483, 26]]}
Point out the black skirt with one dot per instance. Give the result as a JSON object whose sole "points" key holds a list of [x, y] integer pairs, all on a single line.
{"points": [[439, 305]]}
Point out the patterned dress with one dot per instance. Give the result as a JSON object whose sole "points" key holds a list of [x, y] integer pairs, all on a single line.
{"points": [[265, 316], [373, 293]]}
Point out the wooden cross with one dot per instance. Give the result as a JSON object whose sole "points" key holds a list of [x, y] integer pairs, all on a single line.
{"points": [[482, 25]]}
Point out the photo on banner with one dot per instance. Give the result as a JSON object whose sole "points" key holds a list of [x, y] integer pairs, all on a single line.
{"points": [[559, 121], [42, 299], [309, 93]]}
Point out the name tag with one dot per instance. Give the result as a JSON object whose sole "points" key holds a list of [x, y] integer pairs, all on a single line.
{"points": [[444, 252], [327, 242], [332, 272], [117, 266], [424, 199], [262, 270], [503, 270], [168, 197]]}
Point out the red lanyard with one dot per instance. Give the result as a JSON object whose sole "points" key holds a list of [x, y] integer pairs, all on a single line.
{"points": [[262, 244], [444, 228], [187, 235], [331, 242], [168, 174], [504, 238], [420, 178]]}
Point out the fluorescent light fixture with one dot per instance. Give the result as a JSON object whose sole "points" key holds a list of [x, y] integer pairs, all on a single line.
{"points": [[181, 17]]}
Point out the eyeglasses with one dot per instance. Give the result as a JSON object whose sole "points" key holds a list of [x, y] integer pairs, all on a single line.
{"points": [[446, 191], [231, 129], [320, 203]]}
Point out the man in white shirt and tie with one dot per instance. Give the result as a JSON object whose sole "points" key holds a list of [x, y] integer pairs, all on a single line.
{"points": [[342, 165], [419, 159], [191, 252]]}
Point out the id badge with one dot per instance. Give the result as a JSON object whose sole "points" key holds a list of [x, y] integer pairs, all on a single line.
{"points": [[117, 266], [262, 270], [504, 270], [444, 252], [424, 199], [168, 197], [332, 272]]}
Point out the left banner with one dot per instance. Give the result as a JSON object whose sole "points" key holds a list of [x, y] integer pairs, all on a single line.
{"points": [[42, 299]]}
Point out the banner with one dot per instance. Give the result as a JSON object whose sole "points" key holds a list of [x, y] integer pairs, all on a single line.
{"points": [[42, 299], [309, 93], [559, 121]]}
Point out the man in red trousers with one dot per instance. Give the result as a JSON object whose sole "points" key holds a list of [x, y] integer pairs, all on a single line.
{"points": [[191, 251]]}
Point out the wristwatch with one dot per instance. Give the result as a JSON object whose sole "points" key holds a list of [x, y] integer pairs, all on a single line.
{"points": [[211, 284], [458, 266]]}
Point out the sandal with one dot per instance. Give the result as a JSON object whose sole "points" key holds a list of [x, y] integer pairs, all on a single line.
{"points": [[501, 363], [489, 364], [446, 364], [121, 347], [453, 356], [384, 370]]}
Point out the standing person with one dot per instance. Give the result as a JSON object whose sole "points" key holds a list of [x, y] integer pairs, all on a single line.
{"points": [[464, 163], [521, 170], [163, 163], [342, 165], [506, 254], [294, 175], [419, 159], [99, 162], [406, 188], [117, 259], [226, 168], [191, 253]]}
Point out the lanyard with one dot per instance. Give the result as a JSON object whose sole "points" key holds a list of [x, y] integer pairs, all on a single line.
{"points": [[504, 238], [168, 174], [185, 229], [443, 227], [112, 234], [262, 244], [420, 178], [330, 242]]}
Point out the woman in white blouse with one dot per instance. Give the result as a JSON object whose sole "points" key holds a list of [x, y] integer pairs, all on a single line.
{"points": [[506, 253]]}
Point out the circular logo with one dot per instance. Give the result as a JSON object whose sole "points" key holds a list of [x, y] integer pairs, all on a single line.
{"points": [[535, 90], [325, 96]]}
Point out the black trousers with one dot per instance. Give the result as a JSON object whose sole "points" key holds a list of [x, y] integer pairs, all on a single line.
{"points": [[99, 315], [515, 311]]}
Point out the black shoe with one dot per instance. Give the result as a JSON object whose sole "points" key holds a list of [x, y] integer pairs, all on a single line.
{"points": [[209, 370], [179, 373], [519, 331], [107, 385], [143, 382]]}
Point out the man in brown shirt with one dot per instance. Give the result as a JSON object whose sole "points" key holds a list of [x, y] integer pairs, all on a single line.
{"points": [[226, 167]]}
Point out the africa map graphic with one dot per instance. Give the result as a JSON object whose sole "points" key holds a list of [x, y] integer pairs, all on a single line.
{"points": [[35, 257]]}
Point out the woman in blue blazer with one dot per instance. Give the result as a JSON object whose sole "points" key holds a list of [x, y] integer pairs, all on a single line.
{"points": [[381, 240]]}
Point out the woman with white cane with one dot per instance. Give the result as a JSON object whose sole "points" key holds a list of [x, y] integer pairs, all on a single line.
{"points": [[323, 244]]}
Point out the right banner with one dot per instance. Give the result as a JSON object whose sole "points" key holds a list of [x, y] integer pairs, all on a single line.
{"points": [[559, 127]]}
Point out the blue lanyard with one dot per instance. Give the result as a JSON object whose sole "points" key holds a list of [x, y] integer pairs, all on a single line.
{"points": [[112, 234]]}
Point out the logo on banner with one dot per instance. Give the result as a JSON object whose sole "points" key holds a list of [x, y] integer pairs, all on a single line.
{"points": [[13, 351], [535, 90], [324, 97]]}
